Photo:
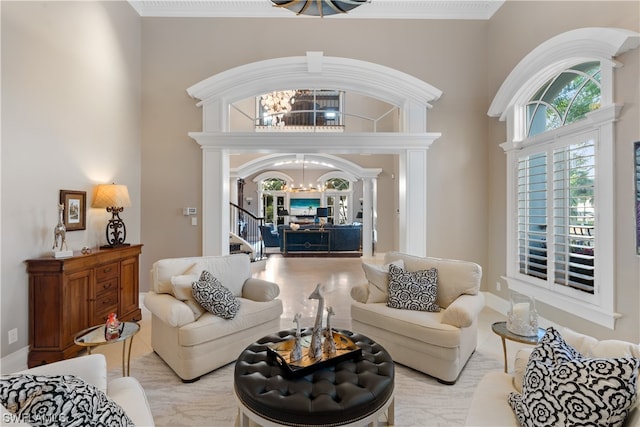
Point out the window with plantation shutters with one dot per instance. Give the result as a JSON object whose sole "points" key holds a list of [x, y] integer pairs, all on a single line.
{"points": [[556, 215], [560, 109], [532, 215], [574, 215]]}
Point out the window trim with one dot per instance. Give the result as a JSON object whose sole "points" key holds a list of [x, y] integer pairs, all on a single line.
{"points": [[535, 69], [600, 308]]}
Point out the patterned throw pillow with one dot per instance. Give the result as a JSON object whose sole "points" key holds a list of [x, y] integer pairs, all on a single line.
{"points": [[413, 290], [214, 297], [562, 388], [553, 349], [46, 400]]}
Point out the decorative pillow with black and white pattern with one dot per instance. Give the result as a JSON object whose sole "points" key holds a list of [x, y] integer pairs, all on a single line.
{"points": [[413, 290], [214, 297], [559, 390], [57, 400], [553, 349]]}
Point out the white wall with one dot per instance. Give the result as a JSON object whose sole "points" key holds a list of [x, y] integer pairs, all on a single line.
{"points": [[70, 120]]}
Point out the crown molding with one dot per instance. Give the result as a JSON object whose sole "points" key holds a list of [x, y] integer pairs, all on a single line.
{"points": [[376, 9]]}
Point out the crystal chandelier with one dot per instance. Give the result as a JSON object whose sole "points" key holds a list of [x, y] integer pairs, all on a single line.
{"points": [[276, 104], [319, 7]]}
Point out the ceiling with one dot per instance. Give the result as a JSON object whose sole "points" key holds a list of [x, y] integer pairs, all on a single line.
{"points": [[376, 9]]}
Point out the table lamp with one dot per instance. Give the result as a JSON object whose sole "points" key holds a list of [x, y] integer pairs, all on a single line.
{"points": [[322, 213], [114, 198]]}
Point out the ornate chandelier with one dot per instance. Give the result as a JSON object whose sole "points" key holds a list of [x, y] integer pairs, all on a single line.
{"points": [[276, 104], [302, 187], [319, 7]]}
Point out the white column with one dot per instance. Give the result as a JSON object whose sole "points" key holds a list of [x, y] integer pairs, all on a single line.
{"points": [[413, 202], [374, 212], [233, 197], [367, 217], [215, 202]]}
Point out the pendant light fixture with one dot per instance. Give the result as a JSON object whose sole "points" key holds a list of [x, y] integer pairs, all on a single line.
{"points": [[319, 7]]}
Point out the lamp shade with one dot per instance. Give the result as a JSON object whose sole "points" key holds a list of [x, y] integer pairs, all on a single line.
{"points": [[111, 195], [322, 212]]}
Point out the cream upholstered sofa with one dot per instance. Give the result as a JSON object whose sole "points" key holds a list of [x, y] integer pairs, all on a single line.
{"points": [[193, 341], [126, 391], [489, 405], [436, 343]]}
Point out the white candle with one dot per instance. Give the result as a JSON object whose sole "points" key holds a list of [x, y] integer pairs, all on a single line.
{"points": [[521, 313]]}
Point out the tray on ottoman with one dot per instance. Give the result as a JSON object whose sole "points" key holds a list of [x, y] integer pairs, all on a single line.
{"points": [[280, 354]]}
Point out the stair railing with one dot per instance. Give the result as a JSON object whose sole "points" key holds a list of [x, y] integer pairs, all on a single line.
{"points": [[246, 225]]}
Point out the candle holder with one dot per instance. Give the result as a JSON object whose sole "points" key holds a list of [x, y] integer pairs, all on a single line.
{"points": [[522, 318]]}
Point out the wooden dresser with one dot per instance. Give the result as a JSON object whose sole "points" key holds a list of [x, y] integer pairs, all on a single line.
{"points": [[71, 294]]}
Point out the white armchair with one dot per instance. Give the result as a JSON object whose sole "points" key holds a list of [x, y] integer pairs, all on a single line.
{"points": [[436, 343], [193, 341]]}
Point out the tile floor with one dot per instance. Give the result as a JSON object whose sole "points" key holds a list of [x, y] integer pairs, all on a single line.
{"points": [[297, 278]]}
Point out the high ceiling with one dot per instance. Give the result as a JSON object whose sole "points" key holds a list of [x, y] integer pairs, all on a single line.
{"points": [[376, 9]]}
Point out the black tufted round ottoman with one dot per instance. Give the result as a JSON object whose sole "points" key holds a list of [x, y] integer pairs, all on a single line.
{"points": [[352, 392]]}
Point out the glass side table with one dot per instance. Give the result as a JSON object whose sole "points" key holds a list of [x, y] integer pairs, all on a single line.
{"points": [[95, 336], [500, 329]]}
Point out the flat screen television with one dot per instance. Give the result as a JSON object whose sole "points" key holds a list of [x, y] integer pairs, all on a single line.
{"points": [[303, 206]]}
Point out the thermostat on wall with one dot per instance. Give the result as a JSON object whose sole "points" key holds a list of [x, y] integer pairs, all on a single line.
{"points": [[189, 211]]}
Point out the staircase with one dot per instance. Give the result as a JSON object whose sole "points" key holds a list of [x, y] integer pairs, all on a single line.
{"points": [[245, 235]]}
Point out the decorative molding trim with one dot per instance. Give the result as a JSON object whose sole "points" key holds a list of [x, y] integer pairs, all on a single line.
{"points": [[555, 55], [314, 70], [376, 9], [367, 143], [350, 170]]}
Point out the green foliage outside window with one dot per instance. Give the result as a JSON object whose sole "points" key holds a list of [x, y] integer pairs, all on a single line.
{"points": [[564, 99], [337, 184], [273, 184]]}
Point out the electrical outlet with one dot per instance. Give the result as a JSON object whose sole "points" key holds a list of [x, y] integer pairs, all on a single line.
{"points": [[194, 220], [13, 335], [498, 286]]}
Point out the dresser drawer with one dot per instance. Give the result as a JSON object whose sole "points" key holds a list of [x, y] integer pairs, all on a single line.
{"points": [[106, 286], [107, 271], [105, 304]]}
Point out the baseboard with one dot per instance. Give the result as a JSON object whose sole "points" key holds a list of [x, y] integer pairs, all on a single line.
{"points": [[496, 303], [16, 361]]}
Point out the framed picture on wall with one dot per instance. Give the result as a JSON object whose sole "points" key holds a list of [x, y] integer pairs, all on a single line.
{"points": [[75, 209], [636, 148]]}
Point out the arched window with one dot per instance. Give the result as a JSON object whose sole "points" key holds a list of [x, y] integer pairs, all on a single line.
{"points": [[338, 184], [567, 97], [560, 113], [274, 184]]}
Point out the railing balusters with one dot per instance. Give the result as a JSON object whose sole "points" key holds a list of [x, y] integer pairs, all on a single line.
{"points": [[248, 227]]}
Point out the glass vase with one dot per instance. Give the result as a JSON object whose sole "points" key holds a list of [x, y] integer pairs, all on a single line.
{"points": [[522, 318]]}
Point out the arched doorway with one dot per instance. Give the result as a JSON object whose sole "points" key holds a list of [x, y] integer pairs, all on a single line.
{"points": [[368, 176], [412, 96]]}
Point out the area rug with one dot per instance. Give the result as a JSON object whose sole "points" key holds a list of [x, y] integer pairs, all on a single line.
{"points": [[420, 400]]}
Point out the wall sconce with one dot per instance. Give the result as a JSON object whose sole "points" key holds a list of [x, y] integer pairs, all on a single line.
{"points": [[114, 198], [249, 200]]}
